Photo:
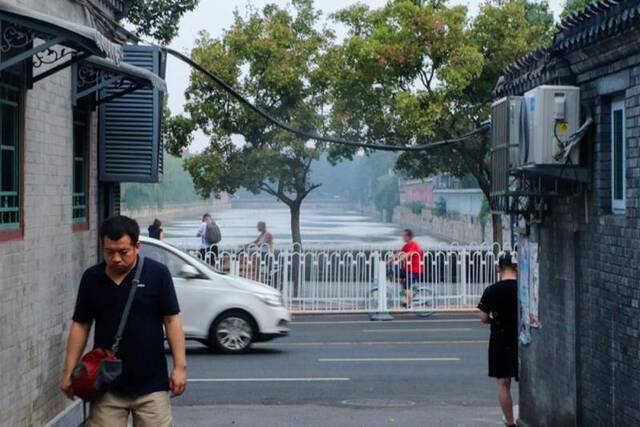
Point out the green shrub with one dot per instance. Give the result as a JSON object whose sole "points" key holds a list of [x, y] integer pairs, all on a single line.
{"points": [[440, 207], [415, 207]]}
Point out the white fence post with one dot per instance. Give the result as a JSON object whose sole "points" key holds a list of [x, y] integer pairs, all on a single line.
{"points": [[380, 273], [284, 257], [234, 265], [331, 280], [463, 277]]}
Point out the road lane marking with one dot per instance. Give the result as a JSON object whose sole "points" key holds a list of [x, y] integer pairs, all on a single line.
{"points": [[391, 322], [317, 344], [253, 380], [418, 330], [390, 359]]}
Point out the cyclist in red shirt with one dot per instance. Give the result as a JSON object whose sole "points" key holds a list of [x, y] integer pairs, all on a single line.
{"points": [[411, 262]]}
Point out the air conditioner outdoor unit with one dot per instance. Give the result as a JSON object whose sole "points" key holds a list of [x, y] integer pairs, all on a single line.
{"points": [[550, 116], [505, 143]]}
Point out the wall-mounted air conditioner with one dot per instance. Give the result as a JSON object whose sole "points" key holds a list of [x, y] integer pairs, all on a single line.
{"points": [[505, 123], [550, 117], [505, 143]]}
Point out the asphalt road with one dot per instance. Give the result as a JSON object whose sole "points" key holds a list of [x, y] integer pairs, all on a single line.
{"points": [[348, 371]]}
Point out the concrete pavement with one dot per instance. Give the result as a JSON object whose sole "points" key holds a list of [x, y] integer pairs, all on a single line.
{"points": [[348, 371]]}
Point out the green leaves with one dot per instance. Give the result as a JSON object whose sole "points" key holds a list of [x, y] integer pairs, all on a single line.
{"points": [[408, 72], [571, 6], [274, 57], [418, 71], [159, 19]]}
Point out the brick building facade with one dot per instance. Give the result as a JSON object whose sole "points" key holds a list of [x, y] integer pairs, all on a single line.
{"points": [[582, 367], [49, 193]]}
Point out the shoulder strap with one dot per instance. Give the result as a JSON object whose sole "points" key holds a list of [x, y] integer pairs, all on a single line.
{"points": [[127, 307]]}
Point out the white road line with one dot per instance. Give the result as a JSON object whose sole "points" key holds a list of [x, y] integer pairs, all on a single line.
{"points": [[418, 330], [252, 380], [392, 359], [368, 343], [348, 322]]}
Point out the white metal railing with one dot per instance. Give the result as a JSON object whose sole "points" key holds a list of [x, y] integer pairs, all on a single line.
{"points": [[328, 280]]}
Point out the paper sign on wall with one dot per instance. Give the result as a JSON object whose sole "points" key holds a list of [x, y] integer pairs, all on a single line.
{"points": [[528, 288], [534, 286]]}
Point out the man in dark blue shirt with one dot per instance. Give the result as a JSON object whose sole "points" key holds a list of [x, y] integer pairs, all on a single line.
{"points": [[104, 289]]}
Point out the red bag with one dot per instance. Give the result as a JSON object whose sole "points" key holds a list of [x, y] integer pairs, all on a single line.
{"points": [[100, 369], [95, 372]]}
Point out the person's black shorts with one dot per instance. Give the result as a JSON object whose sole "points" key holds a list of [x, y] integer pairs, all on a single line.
{"points": [[503, 355], [214, 254], [407, 279]]}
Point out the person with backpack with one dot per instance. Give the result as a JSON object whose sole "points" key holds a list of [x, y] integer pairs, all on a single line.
{"points": [[131, 303], [210, 236]]}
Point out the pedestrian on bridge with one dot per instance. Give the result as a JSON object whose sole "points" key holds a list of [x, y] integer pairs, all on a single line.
{"points": [[155, 230], [210, 238], [499, 308]]}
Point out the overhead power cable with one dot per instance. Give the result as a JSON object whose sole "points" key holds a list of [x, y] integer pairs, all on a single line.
{"points": [[311, 135]]}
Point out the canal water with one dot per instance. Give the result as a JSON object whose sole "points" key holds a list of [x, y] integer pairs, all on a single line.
{"points": [[328, 228]]}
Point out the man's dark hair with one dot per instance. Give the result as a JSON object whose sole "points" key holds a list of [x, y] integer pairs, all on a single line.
{"points": [[118, 226], [507, 259], [408, 232], [205, 216]]}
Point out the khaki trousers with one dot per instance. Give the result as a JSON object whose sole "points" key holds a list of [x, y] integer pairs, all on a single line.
{"points": [[148, 410]]}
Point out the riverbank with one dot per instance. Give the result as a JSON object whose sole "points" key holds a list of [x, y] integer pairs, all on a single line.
{"points": [[173, 212], [464, 229]]}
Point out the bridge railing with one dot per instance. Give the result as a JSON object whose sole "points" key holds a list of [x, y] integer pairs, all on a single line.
{"points": [[340, 280]]}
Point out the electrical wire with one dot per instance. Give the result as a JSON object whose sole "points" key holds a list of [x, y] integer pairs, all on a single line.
{"points": [[111, 25], [312, 135]]}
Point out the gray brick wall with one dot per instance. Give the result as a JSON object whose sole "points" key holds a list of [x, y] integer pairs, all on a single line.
{"points": [[583, 366], [39, 274]]}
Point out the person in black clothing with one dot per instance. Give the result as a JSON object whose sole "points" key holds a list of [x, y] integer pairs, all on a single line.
{"points": [[155, 230], [143, 387], [499, 308]]}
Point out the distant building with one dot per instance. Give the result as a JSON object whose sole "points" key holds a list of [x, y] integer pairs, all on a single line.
{"points": [[464, 201], [79, 113], [416, 190]]}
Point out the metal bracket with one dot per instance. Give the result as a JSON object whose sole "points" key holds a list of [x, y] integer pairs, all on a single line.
{"points": [[90, 80], [17, 37]]}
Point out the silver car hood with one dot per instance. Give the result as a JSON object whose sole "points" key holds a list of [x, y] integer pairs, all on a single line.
{"points": [[244, 284]]}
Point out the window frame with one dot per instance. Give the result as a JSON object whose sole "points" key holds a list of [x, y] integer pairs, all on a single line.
{"points": [[618, 205], [14, 230], [81, 223]]}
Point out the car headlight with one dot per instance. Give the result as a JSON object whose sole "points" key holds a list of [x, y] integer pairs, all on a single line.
{"points": [[272, 300]]}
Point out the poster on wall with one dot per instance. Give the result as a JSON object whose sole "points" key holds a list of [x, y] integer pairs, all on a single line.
{"points": [[534, 285], [524, 332]]}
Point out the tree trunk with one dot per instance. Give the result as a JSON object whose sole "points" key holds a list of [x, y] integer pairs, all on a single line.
{"points": [[296, 237], [296, 259], [496, 222]]}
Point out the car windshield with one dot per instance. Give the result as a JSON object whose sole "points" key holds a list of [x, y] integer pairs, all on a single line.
{"points": [[172, 260], [193, 257]]}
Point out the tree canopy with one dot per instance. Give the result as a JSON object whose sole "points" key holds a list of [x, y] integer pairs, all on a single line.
{"points": [[417, 71], [411, 71], [571, 6], [273, 56], [159, 19]]}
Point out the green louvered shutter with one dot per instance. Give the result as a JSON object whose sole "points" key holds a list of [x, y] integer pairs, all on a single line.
{"points": [[130, 141]]}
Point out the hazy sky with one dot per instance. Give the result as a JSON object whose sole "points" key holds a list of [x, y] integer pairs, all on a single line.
{"points": [[216, 15]]}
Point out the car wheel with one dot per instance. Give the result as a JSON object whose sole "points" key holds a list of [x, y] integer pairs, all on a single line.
{"points": [[233, 333]]}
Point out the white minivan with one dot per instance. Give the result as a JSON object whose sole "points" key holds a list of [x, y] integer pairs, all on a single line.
{"points": [[223, 312]]}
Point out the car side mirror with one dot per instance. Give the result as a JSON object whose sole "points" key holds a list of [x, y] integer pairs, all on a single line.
{"points": [[189, 272]]}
